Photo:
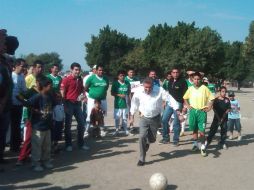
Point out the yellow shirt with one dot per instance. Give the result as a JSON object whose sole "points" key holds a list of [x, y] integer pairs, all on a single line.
{"points": [[198, 97], [30, 81]]}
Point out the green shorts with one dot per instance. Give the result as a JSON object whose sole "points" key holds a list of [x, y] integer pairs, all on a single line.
{"points": [[197, 120]]}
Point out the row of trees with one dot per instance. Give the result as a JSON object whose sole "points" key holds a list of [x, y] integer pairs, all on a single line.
{"points": [[183, 45]]}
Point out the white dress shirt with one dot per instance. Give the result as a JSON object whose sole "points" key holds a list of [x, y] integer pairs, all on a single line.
{"points": [[150, 105]]}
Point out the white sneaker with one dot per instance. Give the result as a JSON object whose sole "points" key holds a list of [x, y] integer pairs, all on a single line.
{"points": [[158, 132], [38, 168], [86, 134], [84, 147], [103, 133], [127, 132], [239, 138], [69, 148], [230, 137], [48, 165]]}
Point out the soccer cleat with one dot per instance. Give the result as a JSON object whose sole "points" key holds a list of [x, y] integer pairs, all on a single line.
{"points": [[203, 150]]}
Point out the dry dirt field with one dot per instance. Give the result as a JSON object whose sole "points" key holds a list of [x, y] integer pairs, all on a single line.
{"points": [[111, 163]]}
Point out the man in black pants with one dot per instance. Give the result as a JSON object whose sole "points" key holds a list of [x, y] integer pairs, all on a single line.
{"points": [[221, 107]]}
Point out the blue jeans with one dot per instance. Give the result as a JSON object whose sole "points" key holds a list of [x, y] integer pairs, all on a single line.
{"points": [[70, 110], [234, 123], [176, 125], [4, 124]]}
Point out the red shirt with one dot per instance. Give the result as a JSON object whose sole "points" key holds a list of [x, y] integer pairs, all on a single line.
{"points": [[73, 87]]}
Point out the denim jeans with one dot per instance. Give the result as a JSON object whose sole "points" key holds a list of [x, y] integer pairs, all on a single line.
{"points": [[4, 124], [70, 110], [234, 123], [176, 125]]}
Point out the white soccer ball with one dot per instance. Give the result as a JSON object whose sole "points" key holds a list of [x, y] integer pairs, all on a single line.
{"points": [[158, 181]]}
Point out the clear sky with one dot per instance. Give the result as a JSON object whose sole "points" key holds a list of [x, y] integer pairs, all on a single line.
{"points": [[63, 26]]}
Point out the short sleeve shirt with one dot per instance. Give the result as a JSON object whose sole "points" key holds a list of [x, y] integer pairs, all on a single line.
{"points": [[221, 106], [56, 81], [198, 97], [120, 88], [97, 86], [234, 112]]}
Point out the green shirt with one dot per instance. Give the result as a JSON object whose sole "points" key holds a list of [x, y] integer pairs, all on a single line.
{"points": [[120, 88], [211, 87], [189, 84], [165, 85], [97, 86], [56, 81], [127, 79]]}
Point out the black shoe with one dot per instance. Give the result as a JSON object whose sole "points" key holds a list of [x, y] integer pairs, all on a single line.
{"points": [[147, 147], [163, 141], [140, 163]]}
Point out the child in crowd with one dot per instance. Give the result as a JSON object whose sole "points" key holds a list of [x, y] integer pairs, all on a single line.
{"points": [[97, 119], [121, 91], [198, 100], [41, 105], [221, 107], [234, 116], [58, 122]]}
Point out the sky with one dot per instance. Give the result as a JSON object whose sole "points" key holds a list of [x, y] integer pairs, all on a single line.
{"points": [[63, 26]]}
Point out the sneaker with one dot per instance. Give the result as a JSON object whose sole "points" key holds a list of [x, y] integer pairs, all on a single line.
{"points": [[103, 133], [127, 133], [230, 137], [239, 138], [116, 133], [194, 148], [175, 144], [20, 163], [69, 148], [86, 134], [158, 132], [140, 163], [224, 146], [203, 150], [163, 141], [38, 168], [48, 165], [84, 147], [181, 134]]}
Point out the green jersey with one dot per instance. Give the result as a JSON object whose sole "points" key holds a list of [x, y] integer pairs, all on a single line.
{"points": [[56, 81], [165, 85], [211, 87], [120, 88], [129, 80], [189, 83], [97, 86]]}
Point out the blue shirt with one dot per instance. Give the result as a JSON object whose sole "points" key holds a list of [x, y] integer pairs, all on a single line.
{"points": [[234, 113]]}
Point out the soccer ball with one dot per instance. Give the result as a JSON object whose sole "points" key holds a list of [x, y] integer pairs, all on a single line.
{"points": [[158, 181]]}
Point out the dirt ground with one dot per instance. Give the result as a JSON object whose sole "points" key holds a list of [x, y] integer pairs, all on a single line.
{"points": [[111, 162]]}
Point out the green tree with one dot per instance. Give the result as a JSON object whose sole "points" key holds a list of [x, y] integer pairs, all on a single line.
{"points": [[108, 49], [47, 58]]}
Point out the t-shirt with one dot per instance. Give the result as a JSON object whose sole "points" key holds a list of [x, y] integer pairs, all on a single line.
{"points": [[73, 87], [120, 88], [198, 97], [19, 86], [30, 81], [165, 84], [211, 87], [221, 106], [97, 86], [56, 81], [189, 83], [234, 112], [128, 79]]}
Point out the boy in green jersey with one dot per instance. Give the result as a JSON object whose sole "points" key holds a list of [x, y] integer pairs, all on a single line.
{"points": [[121, 91]]}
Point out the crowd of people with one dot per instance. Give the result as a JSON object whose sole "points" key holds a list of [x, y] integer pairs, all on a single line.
{"points": [[38, 107]]}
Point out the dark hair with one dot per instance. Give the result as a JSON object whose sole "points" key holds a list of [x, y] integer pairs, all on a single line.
{"points": [[196, 74], [148, 80], [223, 87], [54, 65], [18, 62], [99, 66], [130, 69], [43, 81], [97, 101], [120, 72], [74, 64], [37, 62]]}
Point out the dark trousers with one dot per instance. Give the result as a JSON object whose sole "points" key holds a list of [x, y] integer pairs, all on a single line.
{"points": [[214, 128], [57, 131], [4, 123], [16, 116]]}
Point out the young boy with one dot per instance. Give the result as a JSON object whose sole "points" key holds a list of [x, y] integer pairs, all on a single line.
{"points": [[97, 119], [121, 91], [41, 119], [198, 100], [221, 107], [234, 116]]}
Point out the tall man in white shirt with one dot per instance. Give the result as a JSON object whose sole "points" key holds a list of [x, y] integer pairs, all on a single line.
{"points": [[148, 101]]}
